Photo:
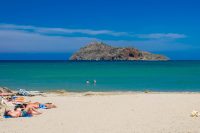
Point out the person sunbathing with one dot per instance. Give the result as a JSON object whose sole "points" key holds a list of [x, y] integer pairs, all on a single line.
{"points": [[40, 105], [13, 113], [22, 112]]}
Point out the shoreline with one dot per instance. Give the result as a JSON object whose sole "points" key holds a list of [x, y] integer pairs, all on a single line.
{"points": [[62, 91], [113, 93]]}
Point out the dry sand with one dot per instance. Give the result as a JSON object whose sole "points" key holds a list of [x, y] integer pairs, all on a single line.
{"points": [[112, 113]]}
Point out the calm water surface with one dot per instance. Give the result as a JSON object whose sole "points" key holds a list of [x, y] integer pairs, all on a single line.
{"points": [[110, 76]]}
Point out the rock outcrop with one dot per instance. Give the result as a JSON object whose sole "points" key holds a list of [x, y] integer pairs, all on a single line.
{"points": [[102, 51]]}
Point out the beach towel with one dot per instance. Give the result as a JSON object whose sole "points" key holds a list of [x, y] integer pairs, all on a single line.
{"points": [[23, 92], [24, 114], [18, 99], [36, 93], [27, 116], [6, 94]]}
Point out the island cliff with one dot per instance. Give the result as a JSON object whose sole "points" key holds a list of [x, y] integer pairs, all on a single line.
{"points": [[102, 51]]}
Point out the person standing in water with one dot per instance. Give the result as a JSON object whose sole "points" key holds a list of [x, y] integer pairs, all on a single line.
{"points": [[87, 81]]}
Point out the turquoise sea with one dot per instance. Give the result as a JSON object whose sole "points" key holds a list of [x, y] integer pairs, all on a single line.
{"points": [[110, 76]]}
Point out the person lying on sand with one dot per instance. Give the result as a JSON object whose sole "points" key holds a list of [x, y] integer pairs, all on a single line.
{"points": [[37, 105], [22, 112], [14, 99]]}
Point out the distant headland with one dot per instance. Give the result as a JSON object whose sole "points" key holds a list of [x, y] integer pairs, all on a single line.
{"points": [[102, 51]]}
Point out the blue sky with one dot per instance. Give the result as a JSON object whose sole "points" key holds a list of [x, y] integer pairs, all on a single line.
{"points": [[33, 29]]}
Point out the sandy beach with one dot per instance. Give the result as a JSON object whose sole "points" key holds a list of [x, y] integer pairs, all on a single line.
{"points": [[111, 113]]}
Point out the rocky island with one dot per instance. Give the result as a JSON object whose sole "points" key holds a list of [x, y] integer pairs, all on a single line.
{"points": [[102, 51]]}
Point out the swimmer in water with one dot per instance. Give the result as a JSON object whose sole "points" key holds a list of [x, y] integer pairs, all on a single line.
{"points": [[87, 81], [94, 81]]}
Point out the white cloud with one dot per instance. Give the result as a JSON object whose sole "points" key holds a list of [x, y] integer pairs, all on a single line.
{"points": [[60, 30], [161, 35], [66, 31], [12, 41], [14, 38], [20, 41]]}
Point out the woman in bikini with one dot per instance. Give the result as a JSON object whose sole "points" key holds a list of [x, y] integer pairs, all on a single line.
{"points": [[22, 112]]}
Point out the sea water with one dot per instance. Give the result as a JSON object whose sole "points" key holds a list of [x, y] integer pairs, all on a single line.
{"points": [[109, 75]]}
